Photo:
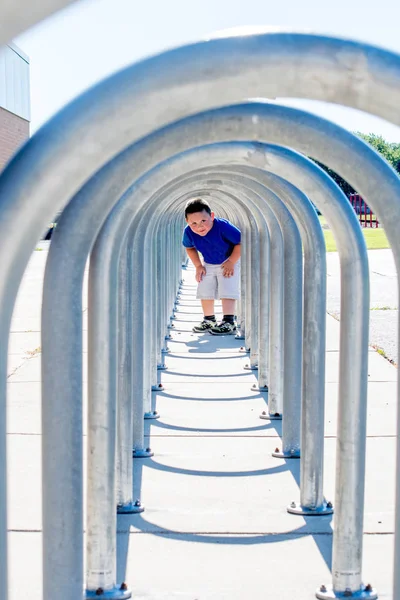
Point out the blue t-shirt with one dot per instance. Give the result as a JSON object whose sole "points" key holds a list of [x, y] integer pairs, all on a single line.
{"points": [[217, 245]]}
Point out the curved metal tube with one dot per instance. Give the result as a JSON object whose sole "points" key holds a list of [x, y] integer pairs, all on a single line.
{"points": [[313, 377], [17, 17], [102, 409], [352, 555], [313, 67], [162, 204], [277, 369]]}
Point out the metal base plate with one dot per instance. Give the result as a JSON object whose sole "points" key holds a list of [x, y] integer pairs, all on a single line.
{"points": [[367, 592], [157, 388], [142, 453], [295, 508], [152, 414], [280, 454], [251, 367], [114, 594], [259, 388], [130, 508], [271, 416]]}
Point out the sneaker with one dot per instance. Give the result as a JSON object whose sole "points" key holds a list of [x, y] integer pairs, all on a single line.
{"points": [[205, 325], [223, 328]]}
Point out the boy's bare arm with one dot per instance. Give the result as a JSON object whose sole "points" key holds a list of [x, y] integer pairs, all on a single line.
{"points": [[195, 258], [228, 268]]}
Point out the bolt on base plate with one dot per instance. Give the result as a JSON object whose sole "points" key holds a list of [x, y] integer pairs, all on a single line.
{"points": [[157, 388], [244, 350], [239, 336], [259, 388], [142, 453], [153, 414], [130, 508], [291, 454], [271, 416], [327, 593], [295, 508], [251, 367], [116, 593]]}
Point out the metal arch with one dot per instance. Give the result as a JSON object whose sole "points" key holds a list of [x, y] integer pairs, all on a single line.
{"points": [[312, 500], [334, 63], [314, 335], [16, 17], [226, 211], [250, 238], [228, 66], [246, 116], [353, 553], [119, 235], [276, 242]]}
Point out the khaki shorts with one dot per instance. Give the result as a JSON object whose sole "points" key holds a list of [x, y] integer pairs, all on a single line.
{"points": [[214, 285]]}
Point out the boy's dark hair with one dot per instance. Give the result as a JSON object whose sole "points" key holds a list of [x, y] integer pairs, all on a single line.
{"points": [[196, 205]]}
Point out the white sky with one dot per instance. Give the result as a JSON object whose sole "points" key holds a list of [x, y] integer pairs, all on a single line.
{"points": [[93, 38]]}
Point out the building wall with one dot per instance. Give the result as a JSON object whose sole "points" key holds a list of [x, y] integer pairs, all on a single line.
{"points": [[13, 132], [14, 101], [14, 81]]}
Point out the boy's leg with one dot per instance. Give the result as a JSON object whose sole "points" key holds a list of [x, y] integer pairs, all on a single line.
{"points": [[206, 293], [208, 308], [228, 306], [229, 292]]}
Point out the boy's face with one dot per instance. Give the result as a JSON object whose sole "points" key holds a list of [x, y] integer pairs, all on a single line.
{"points": [[200, 222]]}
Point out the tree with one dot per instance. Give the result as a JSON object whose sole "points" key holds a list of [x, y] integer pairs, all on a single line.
{"points": [[390, 151], [342, 183]]}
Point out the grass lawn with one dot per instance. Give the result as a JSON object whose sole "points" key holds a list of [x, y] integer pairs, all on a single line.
{"points": [[374, 238]]}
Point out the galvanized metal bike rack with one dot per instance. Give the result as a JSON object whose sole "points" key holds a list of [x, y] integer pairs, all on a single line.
{"points": [[53, 166], [196, 161]]}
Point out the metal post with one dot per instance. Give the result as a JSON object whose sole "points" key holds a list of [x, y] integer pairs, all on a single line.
{"points": [[241, 334], [102, 408], [313, 339], [126, 351], [292, 294], [253, 295]]}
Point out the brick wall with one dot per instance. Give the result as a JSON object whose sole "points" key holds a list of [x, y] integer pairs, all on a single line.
{"points": [[13, 131]]}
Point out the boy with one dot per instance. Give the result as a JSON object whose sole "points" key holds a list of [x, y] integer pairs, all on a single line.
{"points": [[219, 243]]}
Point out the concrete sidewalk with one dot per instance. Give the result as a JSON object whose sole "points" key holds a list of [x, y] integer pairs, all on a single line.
{"points": [[215, 524], [384, 300]]}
